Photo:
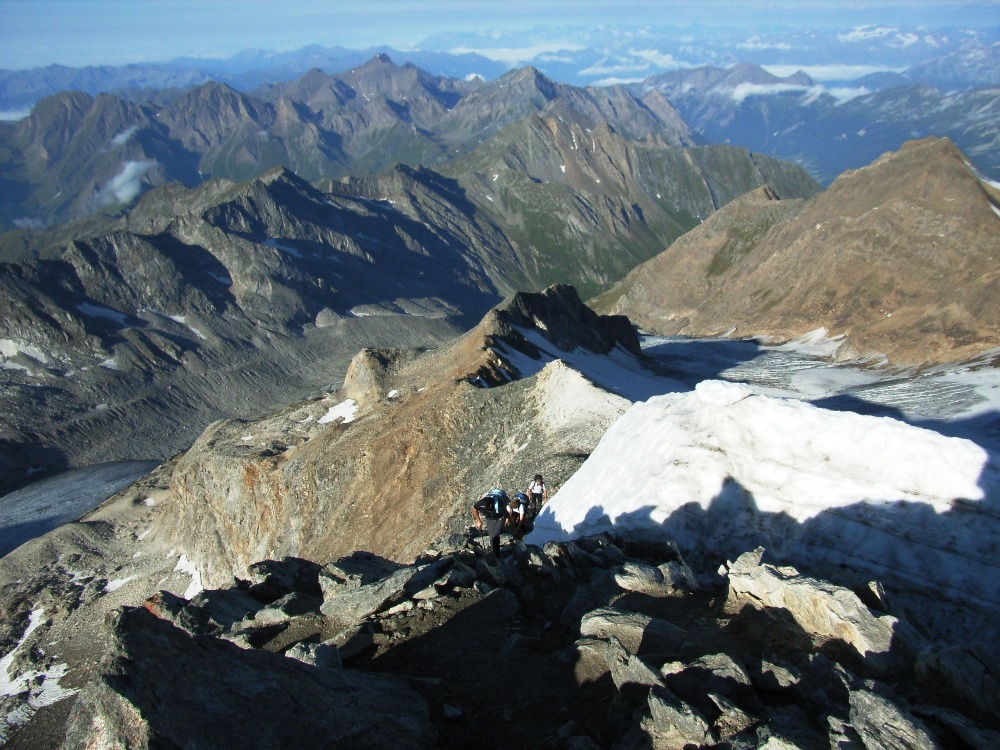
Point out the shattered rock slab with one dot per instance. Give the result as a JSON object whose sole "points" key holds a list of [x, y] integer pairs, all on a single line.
{"points": [[823, 610]]}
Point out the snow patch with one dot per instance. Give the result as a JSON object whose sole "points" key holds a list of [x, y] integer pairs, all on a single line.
{"points": [[10, 349], [186, 566], [274, 244], [42, 687], [95, 311], [346, 411], [723, 470], [118, 583], [816, 343]]}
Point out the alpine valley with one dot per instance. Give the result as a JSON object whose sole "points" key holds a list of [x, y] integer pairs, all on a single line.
{"points": [[318, 320]]}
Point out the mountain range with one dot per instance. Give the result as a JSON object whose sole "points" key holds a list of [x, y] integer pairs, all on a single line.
{"points": [[945, 58], [324, 552], [828, 131], [162, 316], [76, 155]]}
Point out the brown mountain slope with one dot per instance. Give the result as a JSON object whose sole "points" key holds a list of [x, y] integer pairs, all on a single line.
{"points": [[901, 257]]}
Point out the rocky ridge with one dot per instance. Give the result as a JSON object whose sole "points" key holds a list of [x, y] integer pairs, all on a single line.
{"points": [[899, 258], [221, 302], [388, 463], [268, 561], [622, 643]]}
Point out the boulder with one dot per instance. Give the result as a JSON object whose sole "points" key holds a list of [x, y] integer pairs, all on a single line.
{"points": [[638, 633], [884, 724], [323, 655], [824, 611], [355, 588], [716, 673], [160, 687], [631, 674], [287, 607], [273, 579], [672, 723]]}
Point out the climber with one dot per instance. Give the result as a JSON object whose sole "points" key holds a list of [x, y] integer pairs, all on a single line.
{"points": [[493, 508]]}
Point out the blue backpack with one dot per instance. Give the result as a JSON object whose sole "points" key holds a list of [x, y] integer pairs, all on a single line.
{"points": [[500, 501]]}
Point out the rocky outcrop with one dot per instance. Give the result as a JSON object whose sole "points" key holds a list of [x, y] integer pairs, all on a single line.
{"points": [[160, 686], [663, 669]]}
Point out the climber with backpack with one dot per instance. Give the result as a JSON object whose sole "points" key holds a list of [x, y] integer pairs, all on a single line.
{"points": [[518, 514], [492, 508]]}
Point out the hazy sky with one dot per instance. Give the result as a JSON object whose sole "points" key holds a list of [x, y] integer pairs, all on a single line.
{"points": [[35, 33]]}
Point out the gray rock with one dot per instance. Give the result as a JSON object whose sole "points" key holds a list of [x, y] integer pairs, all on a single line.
{"points": [[636, 632], [599, 590], [882, 723], [961, 726], [460, 576], [354, 571], [273, 579], [732, 720], [253, 636], [672, 723], [287, 607], [354, 601], [589, 662], [209, 693], [768, 675], [490, 572], [220, 609], [715, 674], [823, 610], [628, 671], [645, 579], [843, 736], [352, 641], [323, 655], [791, 728]]}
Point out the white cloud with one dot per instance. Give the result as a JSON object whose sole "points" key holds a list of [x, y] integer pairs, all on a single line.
{"points": [[125, 185], [830, 72], [905, 40], [744, 90], [29, 222], [863, 33], [846, 93], [12, 115], [122, 138], [514, 56], [659, 59], [613, 81], [755, 42], [602, 69]]}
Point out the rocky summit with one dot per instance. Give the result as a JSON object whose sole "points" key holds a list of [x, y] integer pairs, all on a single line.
{"points": [[899, 258]]}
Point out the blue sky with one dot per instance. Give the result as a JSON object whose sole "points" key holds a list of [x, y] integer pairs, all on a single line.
{"points": [[35, 33]]}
